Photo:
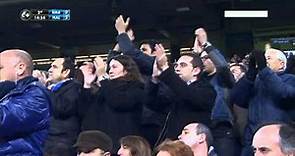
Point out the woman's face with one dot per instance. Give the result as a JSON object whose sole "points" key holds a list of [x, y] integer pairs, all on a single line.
{"points": [[116, 70], [124, 151]]}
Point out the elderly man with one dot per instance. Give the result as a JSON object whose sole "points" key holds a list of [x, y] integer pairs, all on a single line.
{"points": [[274, 140], [269, 95], [199, 138], [24, 111]]}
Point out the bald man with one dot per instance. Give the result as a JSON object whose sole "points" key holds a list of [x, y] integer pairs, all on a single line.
{"points": [[274, 140], [24, 111]]}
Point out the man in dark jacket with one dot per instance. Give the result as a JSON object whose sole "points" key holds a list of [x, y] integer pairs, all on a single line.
{"points": [[216, 71], [65, 120], [24, 111], [266, 95], [194, 96]]}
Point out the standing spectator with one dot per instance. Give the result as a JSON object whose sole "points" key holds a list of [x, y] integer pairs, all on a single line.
{"points": [[118, 108], [65, 120], [217, 72], [266, 91], [24, 111], [194, 96]]}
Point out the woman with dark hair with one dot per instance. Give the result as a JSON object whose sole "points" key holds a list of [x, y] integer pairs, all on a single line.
{"points": [[132, 145], [118, 108]]}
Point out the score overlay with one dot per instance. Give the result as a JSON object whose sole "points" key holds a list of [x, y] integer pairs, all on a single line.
{"points": [[45, 15]]}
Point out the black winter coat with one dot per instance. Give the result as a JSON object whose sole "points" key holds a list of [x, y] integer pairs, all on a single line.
{"points": [[117, 111]]}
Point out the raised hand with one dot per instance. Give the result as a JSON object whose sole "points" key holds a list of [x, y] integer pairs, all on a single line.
{"points": [[89, 75], [161, 58], [100, 66], [202, 36], [121, 25]]}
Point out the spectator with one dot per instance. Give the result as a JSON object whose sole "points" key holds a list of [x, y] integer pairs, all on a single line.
{"points": [[93, 143], [194, 96], [134, 146], [118, 107], [217, 72], [198, 136], [65, 121], [238, 70], [266, 95], [24, 111], [274, 140], [174, 148]]}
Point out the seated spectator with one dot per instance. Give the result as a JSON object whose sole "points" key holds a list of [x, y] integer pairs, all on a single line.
{"points": [[134, 146], [274, 140], [93, 143], [174, 148], [198, 136]]}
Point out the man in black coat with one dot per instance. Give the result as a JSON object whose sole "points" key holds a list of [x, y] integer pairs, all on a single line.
{"points": [[65, 121], [194, 97]]}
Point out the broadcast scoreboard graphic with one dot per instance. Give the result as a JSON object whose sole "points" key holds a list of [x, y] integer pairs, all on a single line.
{"points": [[45, 15]]}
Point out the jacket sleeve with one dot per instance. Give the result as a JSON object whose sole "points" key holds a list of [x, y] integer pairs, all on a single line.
{"points": [[24, 113], [144, 62], [276, 85], [242, 92], [200, 98], [224, 74]]}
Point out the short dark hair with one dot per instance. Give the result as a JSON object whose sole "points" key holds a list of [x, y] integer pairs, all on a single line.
{"points": [[196, 61], [287, 138], [151, 42], [70, 65], [138, 145], [201, 128]]}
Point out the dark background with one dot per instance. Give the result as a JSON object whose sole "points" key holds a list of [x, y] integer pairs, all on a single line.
{"points": [[91, 28]]}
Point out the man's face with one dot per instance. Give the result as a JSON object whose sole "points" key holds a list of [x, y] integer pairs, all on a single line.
{"points": [[273, 62], [189, 135], [209, 66], [266, 141], [8, 65], [95, 152], [146, 48], [184, 68], [116, 70], [56, 72]]}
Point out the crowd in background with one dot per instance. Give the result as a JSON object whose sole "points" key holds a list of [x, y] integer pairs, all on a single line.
{"points": [[138, 103]]}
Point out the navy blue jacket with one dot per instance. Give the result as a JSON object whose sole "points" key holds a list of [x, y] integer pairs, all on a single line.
{"points": [[24, 119], [145, 62], [222, 81], [265, 99]]}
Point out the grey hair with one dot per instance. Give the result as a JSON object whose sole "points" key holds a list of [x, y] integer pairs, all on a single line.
{"points": [[287, 139], [201, 128]]}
